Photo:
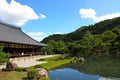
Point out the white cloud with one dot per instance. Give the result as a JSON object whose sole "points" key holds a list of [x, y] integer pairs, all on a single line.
{"points": [[108, 16], [16, 13], [90, 13], [87, 13], [49, 32], [42, 16], [37, 35], [57, 33]]}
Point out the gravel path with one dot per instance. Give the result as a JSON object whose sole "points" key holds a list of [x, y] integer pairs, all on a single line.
{"points": [[31, 61], [27, 61]]}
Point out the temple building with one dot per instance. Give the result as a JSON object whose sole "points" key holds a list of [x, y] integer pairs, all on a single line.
{"points": [[16, 42]]}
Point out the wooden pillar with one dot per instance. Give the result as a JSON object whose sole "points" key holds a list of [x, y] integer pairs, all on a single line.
{"points": [[14, 52], [8, 46], [33, 50]]}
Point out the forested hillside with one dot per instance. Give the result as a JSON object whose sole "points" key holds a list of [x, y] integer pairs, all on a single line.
{"points": [[98, 39], [76, 35]]}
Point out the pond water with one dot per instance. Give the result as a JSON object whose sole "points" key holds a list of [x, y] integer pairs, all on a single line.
{"points": [[72, 74]]}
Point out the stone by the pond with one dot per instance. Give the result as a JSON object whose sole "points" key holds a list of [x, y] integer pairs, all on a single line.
{"points": [[42, 72], [82, 59]]}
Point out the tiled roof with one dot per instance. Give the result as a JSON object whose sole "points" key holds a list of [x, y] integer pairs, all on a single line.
{"points": [[13, 34]]}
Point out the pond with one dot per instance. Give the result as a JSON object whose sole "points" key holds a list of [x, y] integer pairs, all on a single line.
{"points": [[72, 74]]}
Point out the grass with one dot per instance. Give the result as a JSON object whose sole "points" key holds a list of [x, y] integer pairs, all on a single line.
{"points": [[54, 62], [104, 66], [12, 75]]}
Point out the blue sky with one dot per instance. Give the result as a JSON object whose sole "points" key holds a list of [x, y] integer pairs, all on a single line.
{"points": [[41, 18]]}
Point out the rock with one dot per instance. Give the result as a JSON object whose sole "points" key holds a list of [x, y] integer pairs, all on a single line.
{"points": [[42, 73], [12, 65], [82, 59], [3, 66]]}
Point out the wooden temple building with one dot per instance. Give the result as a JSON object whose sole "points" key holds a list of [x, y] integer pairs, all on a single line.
{"points": [[16, 42]]}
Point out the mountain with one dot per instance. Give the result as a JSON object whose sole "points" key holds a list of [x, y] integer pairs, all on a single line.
{"points": [[76, 35]]}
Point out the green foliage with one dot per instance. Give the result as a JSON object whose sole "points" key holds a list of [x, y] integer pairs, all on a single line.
{"points": [[102, 38], [44, 79], [53, 62], [57, 47], [115, 48], [55, 37], [19, 69], [4, 57], [77, 35], [73, 49], [47, 50], [108, 36], [88, 42], [32, 74], [75, 60]]}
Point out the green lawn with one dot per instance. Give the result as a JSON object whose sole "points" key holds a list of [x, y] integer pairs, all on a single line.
{"points": [[13, 75], [54, 62]]}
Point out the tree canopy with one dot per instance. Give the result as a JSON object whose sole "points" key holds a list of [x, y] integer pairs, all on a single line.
{"points": [[98, 39], [4, 57]]}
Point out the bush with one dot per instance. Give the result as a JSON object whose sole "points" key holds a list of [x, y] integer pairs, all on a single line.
{"points": [[7, 69], [4, 57], [44, 79], [32, 74], [20, 69], [63, 57], [38, 66]]}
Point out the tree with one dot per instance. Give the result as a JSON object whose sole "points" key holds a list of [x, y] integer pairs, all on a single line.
{"points": [[115, 48], [73, 49], [88, 42], [47, 50], [57, 47], [107, 38], [4, 57]]}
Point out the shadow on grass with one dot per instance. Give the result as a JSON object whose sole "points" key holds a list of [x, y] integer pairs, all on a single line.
{"points": [[24, 78]]}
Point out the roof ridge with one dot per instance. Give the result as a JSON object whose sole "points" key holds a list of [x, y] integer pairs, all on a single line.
{"points": [[9, 25], [16, 35], [29, 36]]}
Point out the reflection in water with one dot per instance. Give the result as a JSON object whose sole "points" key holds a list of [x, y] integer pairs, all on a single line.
{"points": [[102, 78], [72, 74]]}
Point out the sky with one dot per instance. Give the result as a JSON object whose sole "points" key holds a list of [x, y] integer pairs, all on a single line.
{"points": [[41, 18]]}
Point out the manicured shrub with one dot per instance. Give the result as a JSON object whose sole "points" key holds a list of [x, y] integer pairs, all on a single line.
{"points": [[32, 74]]}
